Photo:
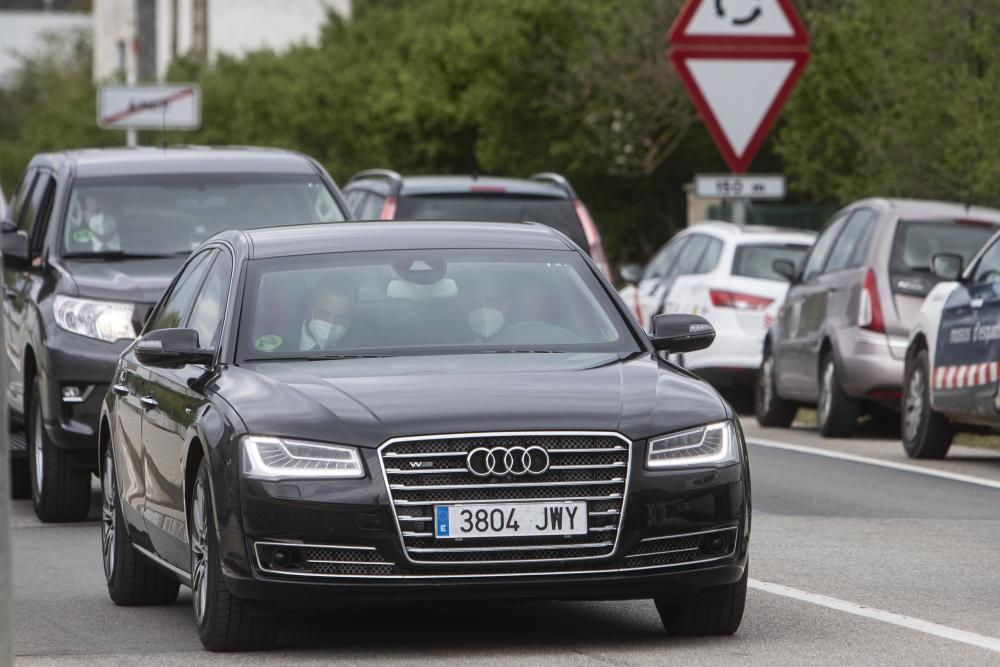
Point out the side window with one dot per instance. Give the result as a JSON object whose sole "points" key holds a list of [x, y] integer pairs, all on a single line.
{"points": [[175, 305], [353, 199], [209, 307], [664, 260], [852, 246], [695, 248], [988, 269], [821, 249], [21, 194], [35, 203], [43, 212], [372, 208], [710, 258]]}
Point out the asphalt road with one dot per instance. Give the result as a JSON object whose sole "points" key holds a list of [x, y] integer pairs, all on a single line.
{"points": [[853, 562]]}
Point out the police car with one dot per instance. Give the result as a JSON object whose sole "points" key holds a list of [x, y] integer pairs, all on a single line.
{"points": [[951, 372]]}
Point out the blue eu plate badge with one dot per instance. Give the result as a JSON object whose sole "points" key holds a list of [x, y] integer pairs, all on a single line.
{"points": [[441, 522]]}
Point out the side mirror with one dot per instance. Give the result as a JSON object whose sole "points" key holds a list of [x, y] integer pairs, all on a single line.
{"points": [[631, 273], [171, 348], [947, 266], [786, 269], [14, 245], [682, 333]]}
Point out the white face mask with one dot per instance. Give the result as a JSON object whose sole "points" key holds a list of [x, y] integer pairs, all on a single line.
{"points": [[325, 333], [101, 225], [486, 322]]}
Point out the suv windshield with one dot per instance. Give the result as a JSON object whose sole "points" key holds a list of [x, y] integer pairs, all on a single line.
{"points": [[427, 302], [917, 242], [172, 214], [757, 261], [558, 214]]}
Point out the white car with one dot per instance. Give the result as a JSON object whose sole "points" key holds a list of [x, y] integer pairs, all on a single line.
{"points": [[725, 273], [953, 356]]}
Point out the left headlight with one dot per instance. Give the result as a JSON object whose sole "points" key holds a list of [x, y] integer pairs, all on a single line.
{"points": [[104, 320], [278, 458], [711, 444]]}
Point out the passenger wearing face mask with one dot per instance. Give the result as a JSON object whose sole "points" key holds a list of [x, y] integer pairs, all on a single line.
{"points": [[330, 322], [488, 316], [103, 229]]}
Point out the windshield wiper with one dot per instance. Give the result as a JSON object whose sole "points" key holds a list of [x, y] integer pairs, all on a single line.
{"points": [[117, 254]]}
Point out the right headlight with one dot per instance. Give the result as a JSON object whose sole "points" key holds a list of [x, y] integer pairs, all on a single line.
{"points": [[279, 458], [710, 444], [104, 320]]}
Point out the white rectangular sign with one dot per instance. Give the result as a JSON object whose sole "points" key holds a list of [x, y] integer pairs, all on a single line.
{"points": [[729, 186], [168, 106]]}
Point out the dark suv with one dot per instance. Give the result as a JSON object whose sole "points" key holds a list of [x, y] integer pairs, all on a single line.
{"points": [[91, 241], [381, 194]]}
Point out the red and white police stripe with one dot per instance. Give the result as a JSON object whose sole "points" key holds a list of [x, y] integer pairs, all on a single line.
{"points": [[969, 375]]}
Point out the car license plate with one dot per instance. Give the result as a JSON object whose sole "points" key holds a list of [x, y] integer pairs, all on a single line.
{"points": [[509, 520]]}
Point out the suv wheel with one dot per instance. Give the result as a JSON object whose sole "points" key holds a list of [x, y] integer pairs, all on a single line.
{"points": [[716, 612], [132, 579], [837, 413], [225, 622], [60, 486], [771, 409], [926, 434]]}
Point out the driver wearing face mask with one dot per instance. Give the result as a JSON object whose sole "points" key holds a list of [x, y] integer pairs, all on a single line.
{"points": [[328, 324], [103, 228], [488, 316]]}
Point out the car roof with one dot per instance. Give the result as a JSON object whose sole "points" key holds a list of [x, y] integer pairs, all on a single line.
{"points": [[100, 162], [415, 186], [926, 208], [728, 231], [422, 235]]}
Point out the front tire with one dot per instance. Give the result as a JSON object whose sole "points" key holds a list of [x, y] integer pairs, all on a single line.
{"points": [[926, 434], [717, 613], [837, 413], [769, 408], [60, 487], [225, 622]]}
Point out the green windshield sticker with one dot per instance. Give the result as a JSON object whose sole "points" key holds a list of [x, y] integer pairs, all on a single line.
{"points": [[82, 236], [268, 343]]}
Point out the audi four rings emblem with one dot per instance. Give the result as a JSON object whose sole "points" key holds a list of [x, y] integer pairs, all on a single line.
{"points": [[499, 461]]}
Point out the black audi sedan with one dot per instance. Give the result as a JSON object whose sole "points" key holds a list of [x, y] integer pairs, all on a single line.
{"points": [[331, 415]]}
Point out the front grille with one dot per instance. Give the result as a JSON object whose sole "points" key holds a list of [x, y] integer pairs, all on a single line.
{"points": [[320, 560], [427, 471]]}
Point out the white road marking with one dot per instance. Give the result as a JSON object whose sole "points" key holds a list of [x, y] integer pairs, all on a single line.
{"points": [[970, 638], [843, 456]]}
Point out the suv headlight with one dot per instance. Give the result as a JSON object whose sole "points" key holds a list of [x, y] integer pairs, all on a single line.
{"points": [[104, 320], [277, 458], [711, 444]]}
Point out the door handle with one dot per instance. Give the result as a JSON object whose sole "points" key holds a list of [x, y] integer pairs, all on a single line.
{"points": [[120, 389], [148, 402], [976, 304]]}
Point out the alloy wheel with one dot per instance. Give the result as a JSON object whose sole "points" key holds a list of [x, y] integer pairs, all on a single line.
{"points": [[913, 405], [765, 382], [38, 440], [826, 393], [108, 514], [199, 551]]}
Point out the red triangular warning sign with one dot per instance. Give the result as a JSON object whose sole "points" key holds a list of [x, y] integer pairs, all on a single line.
{"points": [[739, 94], [739, 23]]}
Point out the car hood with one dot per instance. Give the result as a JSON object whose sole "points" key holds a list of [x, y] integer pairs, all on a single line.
{"points": [[367, 401], [137, 280]]}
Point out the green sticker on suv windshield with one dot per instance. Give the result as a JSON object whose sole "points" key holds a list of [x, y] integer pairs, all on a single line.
{"points": [[268, 343], [82, 236]]}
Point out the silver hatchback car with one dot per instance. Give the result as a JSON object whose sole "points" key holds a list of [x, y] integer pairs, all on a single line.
{"points": [[839, 341]]}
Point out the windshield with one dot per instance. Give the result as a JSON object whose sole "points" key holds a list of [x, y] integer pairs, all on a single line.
{"points": [[757, 261], [916, 242], [173, 214], [558, 214], [427, 302]]}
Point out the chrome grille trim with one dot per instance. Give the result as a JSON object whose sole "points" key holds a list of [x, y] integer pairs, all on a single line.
{"points": [[663, 553], [622, 480], [302, 546], [526, 547], [699, 533]]}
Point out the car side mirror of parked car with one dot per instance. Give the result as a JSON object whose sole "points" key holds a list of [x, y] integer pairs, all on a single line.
{"points": [[947, 266], [171, 348], [14, 245], [682, 333], [631, 273], [786, 269]]}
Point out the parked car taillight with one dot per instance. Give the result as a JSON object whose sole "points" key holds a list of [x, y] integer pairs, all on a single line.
{"points": [[727, 299], [388, 209], [593, 238], [870, 306]]}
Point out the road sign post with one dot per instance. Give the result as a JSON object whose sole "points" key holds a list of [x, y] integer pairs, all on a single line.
{"points": [[155, 107], [739, 60]]}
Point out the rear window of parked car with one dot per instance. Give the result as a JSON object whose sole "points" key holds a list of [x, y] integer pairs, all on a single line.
{"points": [[757, 261], [556, 213], [917, 241]]}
